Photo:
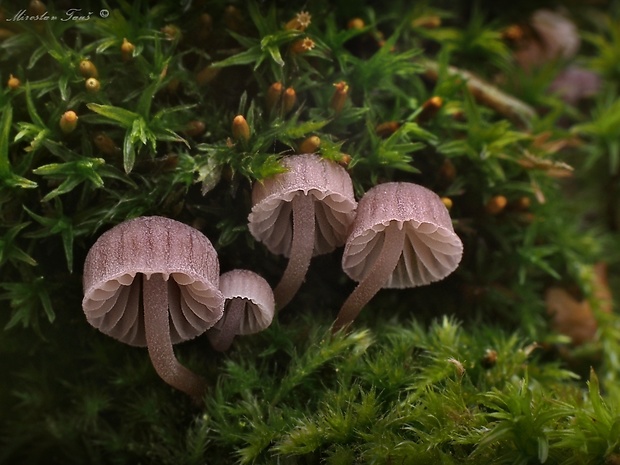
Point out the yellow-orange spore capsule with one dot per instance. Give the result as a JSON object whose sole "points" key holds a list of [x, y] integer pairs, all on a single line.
{"points": [[272, 98], [345, 159], [356, 23], [5, 33], [300, 22], [513, 33], [204, 27], [207, 75], [36, 8], [427, 22], [447, 201], [289, 98], [430, 108], [310, 145], [522, 203], [171, 32], [233, 18], [106, 144], [194, 128], [92, 85], [240, 128], [127, 49], [387, 129], [68, 121], [339, 97], [88, 69], [302, 46], [13, 82], [496, 205], [447, 171]]}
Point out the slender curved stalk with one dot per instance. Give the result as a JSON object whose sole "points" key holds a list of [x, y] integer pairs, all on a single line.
{"points": [[378, 275], [221, 338], [159, 343], [301, 250]]}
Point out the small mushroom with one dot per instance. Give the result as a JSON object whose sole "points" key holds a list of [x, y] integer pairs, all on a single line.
{"points": [[302, 212], [176, 270], [249, 307], [402, 237]]}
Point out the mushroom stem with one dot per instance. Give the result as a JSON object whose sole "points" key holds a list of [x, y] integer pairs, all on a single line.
{"points": [[159, 343], [302, 247], [376, 278], [222, 337]]}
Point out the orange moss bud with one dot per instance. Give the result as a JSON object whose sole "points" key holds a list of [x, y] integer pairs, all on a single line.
{"points": [[387, 129], [233, 18], [339, 97], [92, 85], [272, 98], [240, 128], [36, 8], [447, 171], [302, 46], [171, 32], [194, 128], [68, 121], [206, 21], [127, 49], [13, 83], [88, 69], [447, 201], [173, 85], [300, 22], [430, 108], [207, 75], [513, 33], [496, 205], [489, 359], [106, 145], [309, 145], [345, 159], [289, 98], [522, 203], [204, 28], [427, 22], [356, 23], [6, 33]]}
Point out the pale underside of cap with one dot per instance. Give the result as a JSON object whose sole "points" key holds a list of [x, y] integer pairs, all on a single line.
{"points": [[145, 246], [257, 295], [331, 189], [431, 248]]}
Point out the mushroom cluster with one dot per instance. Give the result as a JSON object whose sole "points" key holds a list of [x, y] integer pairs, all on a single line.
{"points": [[154, 282]]}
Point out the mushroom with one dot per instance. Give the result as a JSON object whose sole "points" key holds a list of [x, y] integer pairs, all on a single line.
{"points": [[176, 270], [302, 212], [249, 307], [402, 237]]}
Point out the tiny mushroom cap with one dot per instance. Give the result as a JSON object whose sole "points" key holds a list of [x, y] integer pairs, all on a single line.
{"points": [[302, 212], [249, 307], [402, 237], [176, 270]]}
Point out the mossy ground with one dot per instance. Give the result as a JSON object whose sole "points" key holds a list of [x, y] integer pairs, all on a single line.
{"points": [[467, 370]]}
